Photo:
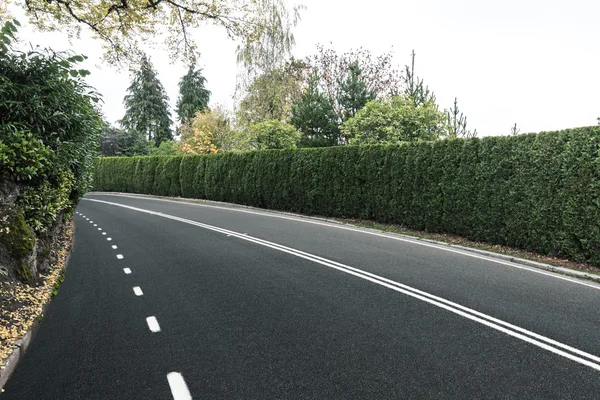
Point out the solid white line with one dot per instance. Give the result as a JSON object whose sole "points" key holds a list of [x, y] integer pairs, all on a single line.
{"points": [[104, 233], [109, 239], [179, 389], [358, 230], [502, 326], [138, 291], [127, 271], [120, 256], [153, 324], [114, 246]]}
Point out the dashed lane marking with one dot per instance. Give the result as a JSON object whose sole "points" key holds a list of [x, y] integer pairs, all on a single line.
{"points": [[153, 324], [178, 386]]}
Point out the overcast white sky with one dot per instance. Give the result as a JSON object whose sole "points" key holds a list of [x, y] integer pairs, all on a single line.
{"points": [[533, 62]]}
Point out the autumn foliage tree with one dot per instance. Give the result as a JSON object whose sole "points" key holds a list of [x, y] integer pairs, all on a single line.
{"points": [[209, 132]]}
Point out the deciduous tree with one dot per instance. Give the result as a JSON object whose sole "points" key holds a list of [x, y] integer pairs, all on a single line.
{"points": [[124, 25], [274, 134], [272, 94], [377, 72], [393, 121], [210, 131]]}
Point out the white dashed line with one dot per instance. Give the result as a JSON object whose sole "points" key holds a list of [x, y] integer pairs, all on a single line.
{"points": [[179, 389], [95, 224], [114, 246], [138, 291], [120, 256], [104, 233], [99, 229], [109, 239], [153, 324], [127, 271]]}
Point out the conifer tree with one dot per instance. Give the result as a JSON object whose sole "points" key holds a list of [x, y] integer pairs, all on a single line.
{"points": [[313, 115], [353, 92], [147, 113], [193, 96]]}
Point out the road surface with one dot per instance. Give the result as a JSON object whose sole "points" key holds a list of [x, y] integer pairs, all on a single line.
{"points": [[170, 300]]}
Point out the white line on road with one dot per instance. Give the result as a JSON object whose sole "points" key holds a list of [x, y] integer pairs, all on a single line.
{"points": [[358, 230], [114, 246], [127, 271], [484, 319], [109, 239], [179, 389], [95, 224], [99, 229], [138, 291], [153, 324], [104, 233], [120, 256]]}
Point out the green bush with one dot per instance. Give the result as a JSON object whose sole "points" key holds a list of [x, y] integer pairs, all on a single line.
{"points": [[539, 192], [273, 134], [49, 129]]}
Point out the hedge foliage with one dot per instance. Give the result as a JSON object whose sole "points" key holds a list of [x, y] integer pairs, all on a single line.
{"points": [[539, 192]]}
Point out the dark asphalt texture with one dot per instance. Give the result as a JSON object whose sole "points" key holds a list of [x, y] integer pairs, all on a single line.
{"points": [[243, 321]]}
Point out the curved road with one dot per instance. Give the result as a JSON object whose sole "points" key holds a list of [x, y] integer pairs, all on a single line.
{"points": [[172, 300]]}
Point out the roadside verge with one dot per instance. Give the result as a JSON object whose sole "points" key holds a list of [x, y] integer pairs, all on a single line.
{"points": [[23, 308]]}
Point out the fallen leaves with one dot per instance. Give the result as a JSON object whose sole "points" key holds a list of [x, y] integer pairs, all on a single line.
{"points": [[21, 304]]}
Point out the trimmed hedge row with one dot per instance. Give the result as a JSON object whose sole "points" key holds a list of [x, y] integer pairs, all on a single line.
{"points": [[538, 192]]}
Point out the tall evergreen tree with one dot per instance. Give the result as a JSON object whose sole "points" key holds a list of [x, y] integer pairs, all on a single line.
{"points": [[353, 92], [146, 106], [193, 96], [313, 115]]}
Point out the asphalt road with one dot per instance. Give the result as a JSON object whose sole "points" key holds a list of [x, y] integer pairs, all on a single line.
{"points": [[216, 302]]}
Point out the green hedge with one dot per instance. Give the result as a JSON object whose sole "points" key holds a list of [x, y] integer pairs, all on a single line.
{"points": [[539, 192]]}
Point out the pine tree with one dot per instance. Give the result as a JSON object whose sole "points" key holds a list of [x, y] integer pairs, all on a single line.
{"points": [[313, 115], [457, 123], [415, 88], [514, 131], [147, 113], [353, 92], [193, 96]]}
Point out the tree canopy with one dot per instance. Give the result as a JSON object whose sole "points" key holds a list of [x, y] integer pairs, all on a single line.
{"points": [[396, 120], [274, 134], [124, 25], [272, 94]]}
